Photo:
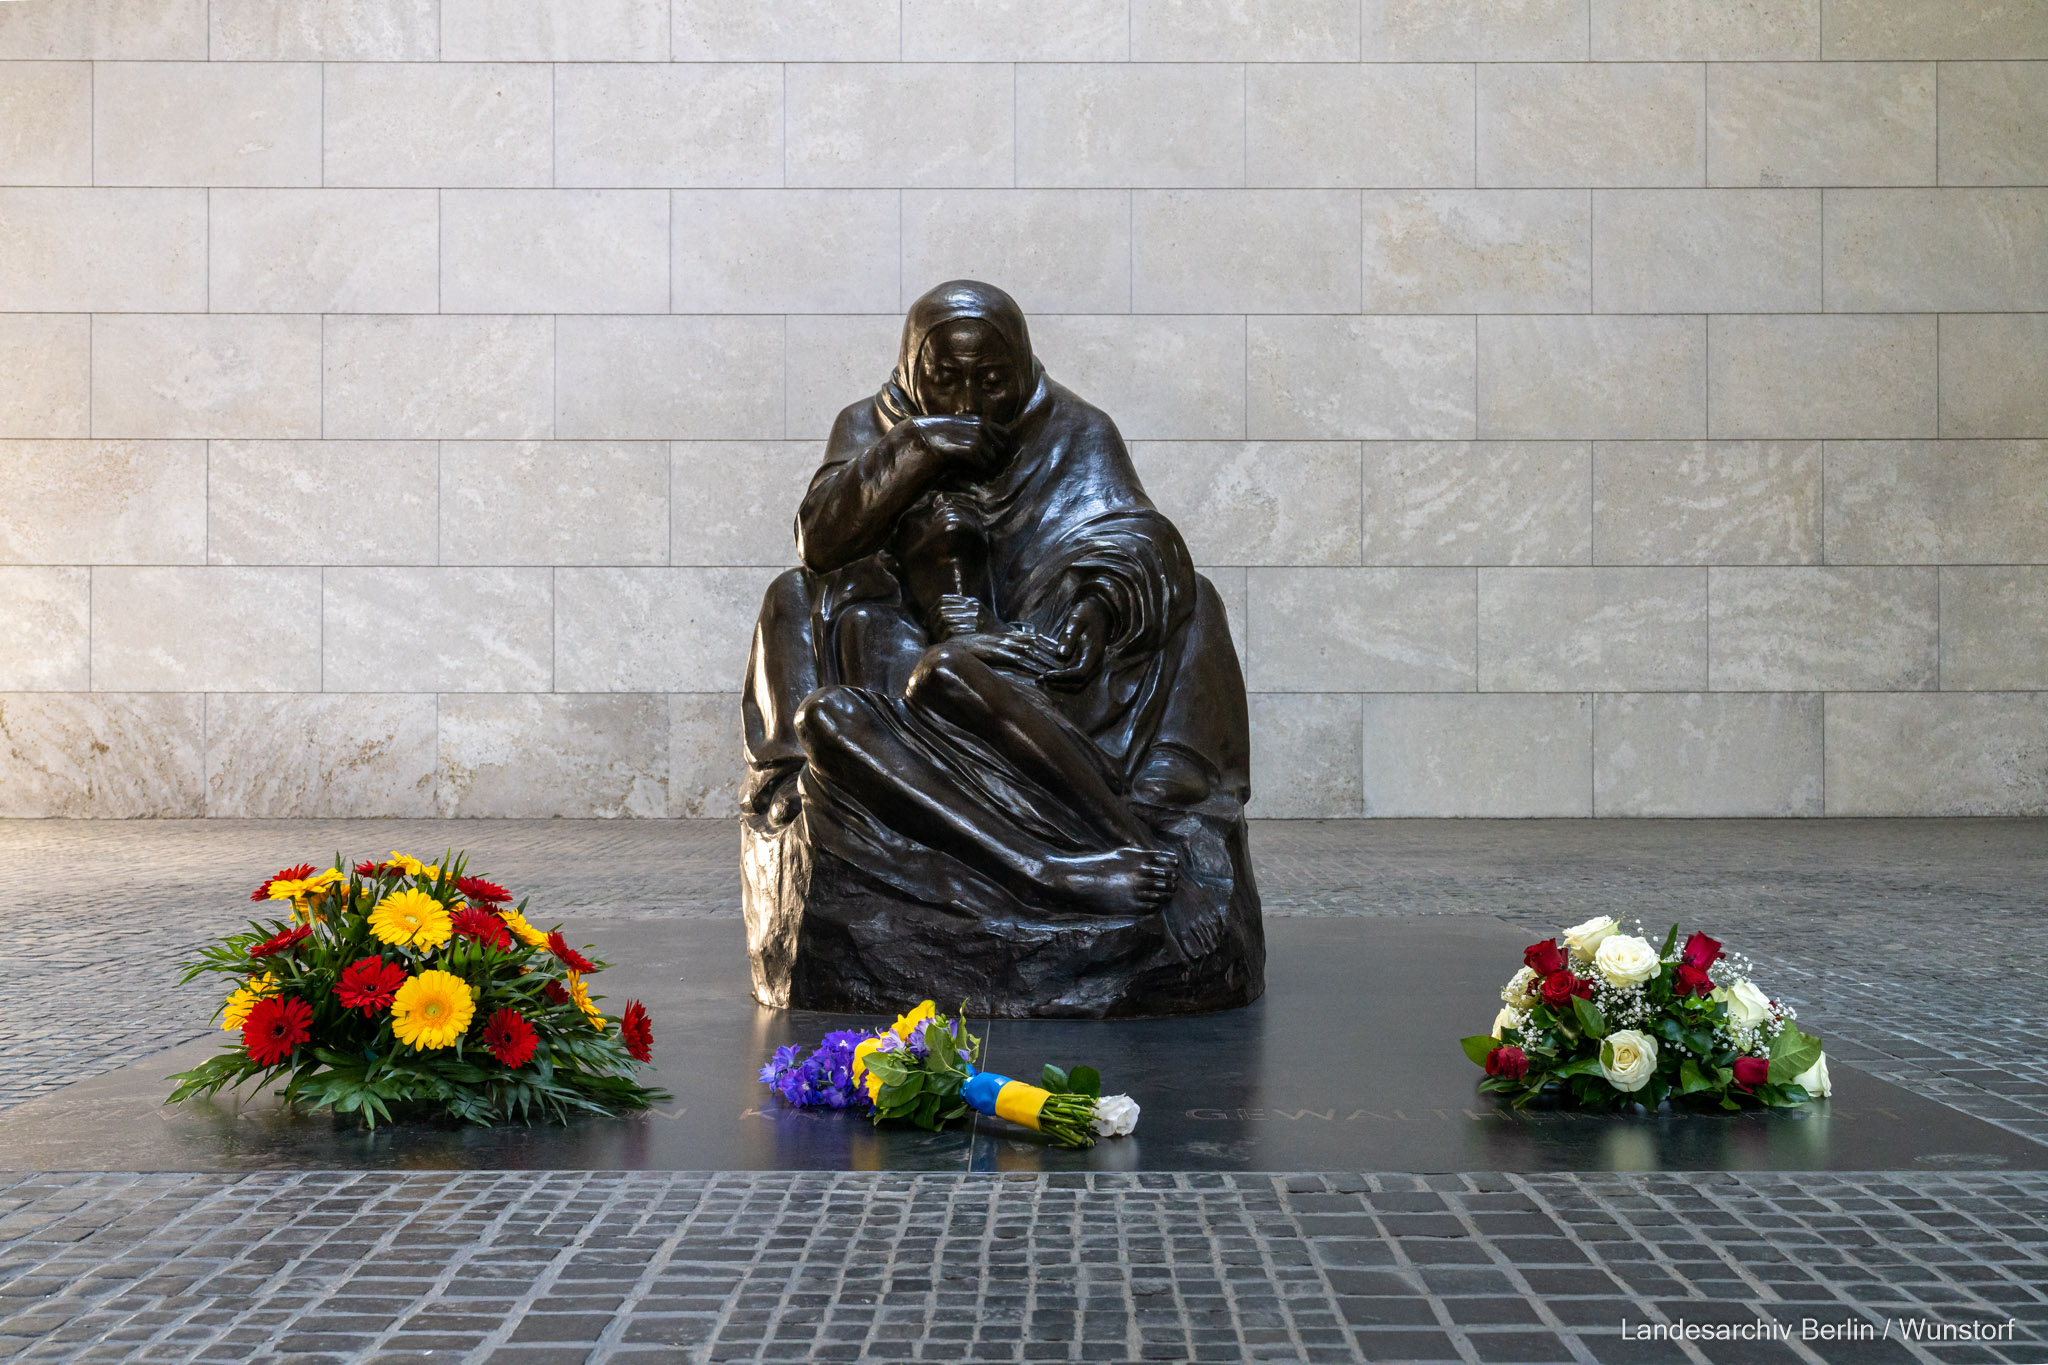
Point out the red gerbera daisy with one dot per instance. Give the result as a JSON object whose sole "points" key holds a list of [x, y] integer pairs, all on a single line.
{"points": [[510, 1038], [553, 991], [576, 961], [637, 1031], [276, 1024], [473, 921], [369, 869], [477, 889], [369, 984], [290, 874], [277, 943]]}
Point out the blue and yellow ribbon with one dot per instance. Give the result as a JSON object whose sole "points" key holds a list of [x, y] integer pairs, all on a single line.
{"points": [[1000, 1097]]}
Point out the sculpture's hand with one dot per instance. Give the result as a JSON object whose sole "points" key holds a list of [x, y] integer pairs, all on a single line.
{"points": [[965, 446], [1082, 642], [1017, 649], [959, 614]]}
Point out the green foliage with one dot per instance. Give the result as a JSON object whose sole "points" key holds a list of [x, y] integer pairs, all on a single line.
{"points": [[925, 1091], [1792, 1054], [354, 1064], [1696, 1051]]}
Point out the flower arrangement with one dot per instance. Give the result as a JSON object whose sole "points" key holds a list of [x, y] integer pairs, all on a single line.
{"points": [[1611, 1021], [403, 987], [923, 1070]]}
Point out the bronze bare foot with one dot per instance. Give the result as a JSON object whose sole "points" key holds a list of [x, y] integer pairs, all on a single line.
{"points": [[1122, 879]]}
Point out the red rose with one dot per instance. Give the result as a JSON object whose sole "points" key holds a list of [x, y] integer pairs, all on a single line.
{"points": [[1751, 1072], [637, 1031], [1700, 951], [369, 984], [477, 889], [1561, 986], [574, 960], [290, 874], [277, 943], [474, 921], [1509, 1061], [276, 1024], [1545, 958], [1691, 980], [510, 1038]]}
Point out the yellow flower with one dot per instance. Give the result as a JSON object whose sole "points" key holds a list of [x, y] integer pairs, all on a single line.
{"points": [[413, 867], [580, 993], [524, 932], [411, 917], [308, 886], [432, 1010], [860, 1067], [236, 1011], [907, 1023]]}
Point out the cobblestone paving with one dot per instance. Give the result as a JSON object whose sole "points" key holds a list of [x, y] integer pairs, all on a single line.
{"points": [[1917, 947], [546, 1269]]}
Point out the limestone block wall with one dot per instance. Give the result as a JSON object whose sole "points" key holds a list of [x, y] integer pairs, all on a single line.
{"points": [[1587, 407]]}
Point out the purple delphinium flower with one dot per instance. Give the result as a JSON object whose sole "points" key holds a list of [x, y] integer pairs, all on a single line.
{"points": [[783, 1060], [822, 1080]]}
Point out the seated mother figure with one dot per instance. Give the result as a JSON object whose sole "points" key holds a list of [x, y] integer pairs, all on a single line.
{"points": [[996, 689]]}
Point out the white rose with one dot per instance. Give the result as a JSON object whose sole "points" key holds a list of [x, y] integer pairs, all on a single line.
{"points": [[1521, 990], [1116, 1115], [1748, 1007], [1625, 961], [1628, 1059], [1585, 938], [1814, 1080], [1509, 1017]]}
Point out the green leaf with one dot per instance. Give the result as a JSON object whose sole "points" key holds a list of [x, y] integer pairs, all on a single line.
{"points": [[1792, 1054], [1579, 1066], [1479, 1047], [1591, 1021], [1053, 1079], [1690, 1081], [1670, 942], [1086, 1080]]}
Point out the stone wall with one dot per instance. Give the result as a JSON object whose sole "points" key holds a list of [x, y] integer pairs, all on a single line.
{"points": [[1625, 407]]}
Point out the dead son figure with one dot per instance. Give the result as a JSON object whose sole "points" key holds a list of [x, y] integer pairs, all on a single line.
{"points": [[995, 727]]}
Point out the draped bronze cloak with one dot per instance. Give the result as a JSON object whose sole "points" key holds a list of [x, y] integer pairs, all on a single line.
{"points": [[1065, 516]]}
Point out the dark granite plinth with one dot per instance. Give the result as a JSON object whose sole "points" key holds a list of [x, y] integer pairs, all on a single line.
{"points": [[1351, 1062]]}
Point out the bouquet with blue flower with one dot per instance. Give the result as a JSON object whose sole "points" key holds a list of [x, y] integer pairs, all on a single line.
{"points": [[924, 1070], [821, 1080]]}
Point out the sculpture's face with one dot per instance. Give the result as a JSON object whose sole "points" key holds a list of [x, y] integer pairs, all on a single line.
{"points": [[966, 370]]}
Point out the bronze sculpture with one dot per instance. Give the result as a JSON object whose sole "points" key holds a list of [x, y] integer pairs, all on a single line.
{"points": [[995, 727]]}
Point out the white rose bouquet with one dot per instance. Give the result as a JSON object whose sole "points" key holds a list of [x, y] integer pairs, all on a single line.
{"points": [[1607, 1020]]}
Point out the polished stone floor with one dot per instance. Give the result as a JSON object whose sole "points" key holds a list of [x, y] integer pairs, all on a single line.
{"points": [[1919, 948]]}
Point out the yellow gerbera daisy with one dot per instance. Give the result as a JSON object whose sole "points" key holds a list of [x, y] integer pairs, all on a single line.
{"points": [[580, 993], [524, 932], [411, 917], [236, 1011], [432, 1010], [413, 867], [308, 886]]}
